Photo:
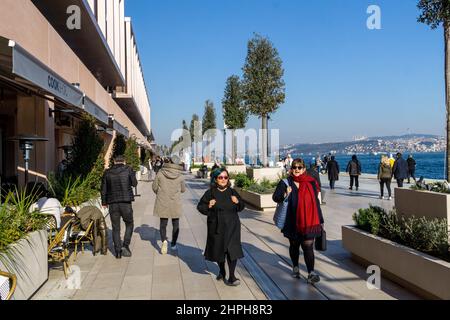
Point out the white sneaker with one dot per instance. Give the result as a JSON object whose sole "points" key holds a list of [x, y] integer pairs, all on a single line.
{"points": [[174, 247], [164, 247], [390, 198]]}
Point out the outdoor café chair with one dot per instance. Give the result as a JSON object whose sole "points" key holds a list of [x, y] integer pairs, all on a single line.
{"points": [[8, 283], [58, 247], [81, 237]]}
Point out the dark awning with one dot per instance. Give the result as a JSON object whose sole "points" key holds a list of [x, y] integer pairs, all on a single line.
{"points": [[93, 109], [88, 43], [16, 61]]}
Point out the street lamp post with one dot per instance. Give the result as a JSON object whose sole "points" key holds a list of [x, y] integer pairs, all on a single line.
{"points": [[26, 145]]}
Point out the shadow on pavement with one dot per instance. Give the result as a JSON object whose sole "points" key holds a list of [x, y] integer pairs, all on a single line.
{"points": [[192, 256]]}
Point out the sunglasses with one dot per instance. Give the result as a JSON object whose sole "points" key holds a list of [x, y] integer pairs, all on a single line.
{"points": [[222, 178], [298, 168]]}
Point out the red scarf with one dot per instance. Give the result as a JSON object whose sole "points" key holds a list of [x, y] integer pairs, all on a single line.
{"points": [[308, 221]]}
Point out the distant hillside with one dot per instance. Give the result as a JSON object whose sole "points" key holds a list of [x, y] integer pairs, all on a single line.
{"points": [[410, 142]]}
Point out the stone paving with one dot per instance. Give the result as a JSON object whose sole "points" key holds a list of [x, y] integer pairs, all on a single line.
{"points": [[185, 275]]}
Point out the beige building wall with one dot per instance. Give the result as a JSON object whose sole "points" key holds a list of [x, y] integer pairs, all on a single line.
{"points": [[48, 47]]}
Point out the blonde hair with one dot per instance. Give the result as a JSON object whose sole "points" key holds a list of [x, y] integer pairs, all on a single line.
{"points": [[385, 160]]}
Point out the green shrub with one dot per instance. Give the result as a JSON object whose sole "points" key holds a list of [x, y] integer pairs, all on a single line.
{"points": [[440, 187], [369, 219], [426, 235], [242, 181], [73, 191]]}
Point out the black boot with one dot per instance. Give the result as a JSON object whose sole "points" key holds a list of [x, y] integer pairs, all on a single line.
{"points": [[118, 254]]}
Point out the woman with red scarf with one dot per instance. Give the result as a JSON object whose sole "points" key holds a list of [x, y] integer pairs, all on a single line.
{"points": [[304, 220]]}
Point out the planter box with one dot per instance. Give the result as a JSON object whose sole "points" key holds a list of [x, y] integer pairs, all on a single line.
{"points": [[262, 202], [423, 274], [236, 169], [422, 204], [271, 174], [29, 263]]}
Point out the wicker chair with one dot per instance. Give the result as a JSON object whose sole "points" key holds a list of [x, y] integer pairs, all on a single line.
{"points": [[52, 226], [12, 285], [58, 247], [81, 237]]}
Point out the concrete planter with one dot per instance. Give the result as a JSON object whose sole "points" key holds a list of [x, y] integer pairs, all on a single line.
{"points": [[29, 263], [423, 274], [262, 202], [422, 203], [236, 169], [419, 203], [271, 174]]}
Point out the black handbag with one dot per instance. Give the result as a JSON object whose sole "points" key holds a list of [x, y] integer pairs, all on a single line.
{"points": [[321, 241]]}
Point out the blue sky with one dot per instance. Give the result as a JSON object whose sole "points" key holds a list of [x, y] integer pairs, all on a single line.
{"points": [[342, 79]]}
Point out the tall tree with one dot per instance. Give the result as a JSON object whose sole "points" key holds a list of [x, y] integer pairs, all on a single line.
{"points": [[235, 114], [436, 13], [209, 122], [194, 130], [87, 145], [263, 85]]}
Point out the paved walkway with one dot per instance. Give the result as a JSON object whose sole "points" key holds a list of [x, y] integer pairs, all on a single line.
{"points": [[264, 272]]}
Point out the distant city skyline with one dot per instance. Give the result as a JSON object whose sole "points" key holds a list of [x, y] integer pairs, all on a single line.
{"points": [[342, 79]]}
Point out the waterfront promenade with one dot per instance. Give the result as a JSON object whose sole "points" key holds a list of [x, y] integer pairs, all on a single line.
{"points": [[265, 272]]}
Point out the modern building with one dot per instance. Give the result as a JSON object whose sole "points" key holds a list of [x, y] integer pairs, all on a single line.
{"points": [[59, 60]]}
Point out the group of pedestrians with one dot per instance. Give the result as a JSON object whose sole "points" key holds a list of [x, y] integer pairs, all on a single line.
{"points": [[221, 204]]}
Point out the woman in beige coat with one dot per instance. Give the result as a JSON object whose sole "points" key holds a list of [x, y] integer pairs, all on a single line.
{"points": [[168, 186]]}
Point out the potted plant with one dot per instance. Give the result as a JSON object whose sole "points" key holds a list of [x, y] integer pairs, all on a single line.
{"points": [[23, 243]]}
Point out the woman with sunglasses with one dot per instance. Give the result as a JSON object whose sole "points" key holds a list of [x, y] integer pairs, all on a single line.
{"points": [[221, 204], [304, 220]]}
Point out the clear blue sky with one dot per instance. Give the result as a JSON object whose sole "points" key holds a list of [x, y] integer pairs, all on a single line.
{"points": [[342, 79]]}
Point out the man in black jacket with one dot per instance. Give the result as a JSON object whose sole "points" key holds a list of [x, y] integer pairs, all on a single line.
{"points": [[400, 170], [411, 168], [354, 170], [117, 193]]}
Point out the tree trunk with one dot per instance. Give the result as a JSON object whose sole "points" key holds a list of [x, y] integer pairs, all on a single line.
{"points": [[447, 95], [264, 142]]}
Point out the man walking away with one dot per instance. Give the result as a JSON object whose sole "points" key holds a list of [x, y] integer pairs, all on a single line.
{"points": [[354, 170], [117, 193], [411, 168], [400, 170], [333, 171]]}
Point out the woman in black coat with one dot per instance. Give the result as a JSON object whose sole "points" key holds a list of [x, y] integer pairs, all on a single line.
{"points": [[221, 204], [333, 171], [304, 220]]}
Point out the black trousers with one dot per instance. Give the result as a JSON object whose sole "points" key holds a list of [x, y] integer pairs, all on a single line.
{"points": [[175, 229], [332, 183], [400, 183], [411, 174], [308, 252], [354, 180], [386, 182], [116, 211]]}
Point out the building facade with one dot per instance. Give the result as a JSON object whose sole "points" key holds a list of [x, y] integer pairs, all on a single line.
{"points": [[60, 60]]}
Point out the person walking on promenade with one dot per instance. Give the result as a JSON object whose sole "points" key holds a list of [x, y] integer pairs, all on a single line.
{"points": [[117, 194], [391, 160], [312, 171], [333, 171], [222, 204], [411, 168], [354, 170], [169, 185], [288, 162], [385, 176], [304, 220], [400, 170], [158, 164]]}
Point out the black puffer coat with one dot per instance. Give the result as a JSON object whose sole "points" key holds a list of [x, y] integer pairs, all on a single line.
{"points": [[224, 226], [117, 184]]}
